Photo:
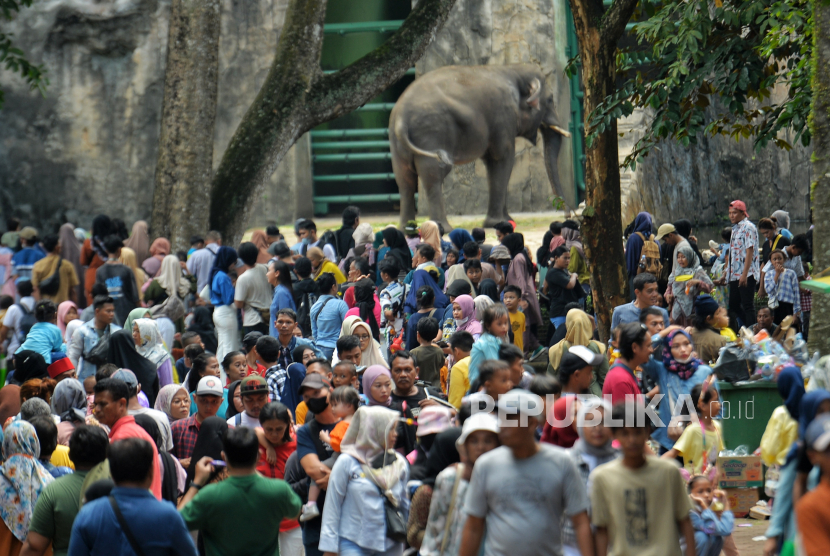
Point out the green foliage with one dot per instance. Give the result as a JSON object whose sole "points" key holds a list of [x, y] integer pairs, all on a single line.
{"points": [[13, 58], [689, 54], [557, 202]]}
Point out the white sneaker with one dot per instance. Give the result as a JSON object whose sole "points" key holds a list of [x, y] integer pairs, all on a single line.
{"points": [[310, 511]]}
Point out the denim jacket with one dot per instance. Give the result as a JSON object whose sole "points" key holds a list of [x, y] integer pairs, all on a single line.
{"points": [[84, 339]]}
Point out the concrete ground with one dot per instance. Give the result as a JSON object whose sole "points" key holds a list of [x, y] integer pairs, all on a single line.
{"points": [[743, 536]]}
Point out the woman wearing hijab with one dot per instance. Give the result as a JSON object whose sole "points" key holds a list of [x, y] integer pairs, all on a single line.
{"points": [[202, 324], [123, 354], [369, 347], [634, 245], [22, 479], [259, 239], [782, 219], [684, 228], [174, 401], [676, 372], [363, 243], [170, 282], [208, 443], [321, 265], [173, 475], [93, 253], [221, 297], [67, 312], [464, 316], [158, 250], [367, 306], [367, 475], [380, 394], [394, 239], [69, 403], [151, 346], [139, 241], [460, 237], [71, 251], [580, 332], [579, 263], [482, 302], [521, 274], [129, 259], [431, 234], [689, 281], [424, 278]]}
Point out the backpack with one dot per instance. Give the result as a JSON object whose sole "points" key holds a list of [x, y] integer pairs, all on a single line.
{"points": [[304, 305], [649, 256], [27, 321]]}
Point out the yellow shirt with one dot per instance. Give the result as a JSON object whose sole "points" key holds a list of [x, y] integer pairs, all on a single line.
{"points": [[60, 457], [692, 448], [517, 323], [302, 410], [459, 381], [329, 266]]}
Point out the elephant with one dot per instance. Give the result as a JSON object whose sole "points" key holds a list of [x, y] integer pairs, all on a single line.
{"points": [[456, 114]]}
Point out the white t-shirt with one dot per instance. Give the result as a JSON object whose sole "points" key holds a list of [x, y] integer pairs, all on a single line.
{"points": [[12, 321], [253, 288], [163, 424], [246, 421]]}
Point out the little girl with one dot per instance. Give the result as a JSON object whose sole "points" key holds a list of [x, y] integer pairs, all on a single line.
{"points": [[701, 442], [344, 403], [711, 518], [689, 281], [496, 324], [781, 285]]}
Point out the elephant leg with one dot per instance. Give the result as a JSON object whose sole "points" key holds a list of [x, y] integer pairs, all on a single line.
{"points": [[407, 181], [498, 176], [432, 173]]}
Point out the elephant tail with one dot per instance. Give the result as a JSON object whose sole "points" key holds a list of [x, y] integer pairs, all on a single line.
{"points": [[402, 133]]}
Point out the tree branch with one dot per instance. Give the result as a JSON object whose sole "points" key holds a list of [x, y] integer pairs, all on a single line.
{"points": [[615, 20], [296, 97]]}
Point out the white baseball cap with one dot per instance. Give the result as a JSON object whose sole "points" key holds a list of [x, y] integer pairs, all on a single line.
{"points": [[478, 422], [210, 386]]}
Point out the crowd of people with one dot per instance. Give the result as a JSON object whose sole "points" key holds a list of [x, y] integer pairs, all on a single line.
{"points": [[324, 393]]}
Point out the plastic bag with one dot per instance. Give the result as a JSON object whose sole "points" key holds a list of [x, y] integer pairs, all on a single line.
{"points": [[820, 379]]}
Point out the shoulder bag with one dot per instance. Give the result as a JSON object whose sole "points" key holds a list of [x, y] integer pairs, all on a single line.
{"points": [[125, 528], [99, 354], [51, 285], [395, 520]]}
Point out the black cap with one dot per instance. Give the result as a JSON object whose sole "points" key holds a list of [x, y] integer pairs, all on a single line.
{"points": [[196, 239], [249, 341]]}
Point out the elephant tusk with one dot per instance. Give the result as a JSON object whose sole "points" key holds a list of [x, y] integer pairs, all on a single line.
{"points": [[559, 130]]}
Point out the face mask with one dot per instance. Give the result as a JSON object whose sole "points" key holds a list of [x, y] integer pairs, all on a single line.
{"points": [[317, 405], [461, 322], [306, 240], [683, 361]]}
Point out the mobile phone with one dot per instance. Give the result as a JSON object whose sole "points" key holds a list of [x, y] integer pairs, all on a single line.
{"points": [[218, 463], [437, 399]]}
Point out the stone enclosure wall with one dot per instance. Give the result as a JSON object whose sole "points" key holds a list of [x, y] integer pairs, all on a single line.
{"points": [[90, 145]]}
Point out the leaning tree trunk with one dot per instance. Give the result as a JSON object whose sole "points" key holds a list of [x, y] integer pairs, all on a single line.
{"points": [[297, 97], [820, 193], [181, 198], [598, 33]]}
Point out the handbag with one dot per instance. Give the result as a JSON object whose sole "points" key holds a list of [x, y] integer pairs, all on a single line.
{"points": [[395, 520], [99, 354], [51, 285]]}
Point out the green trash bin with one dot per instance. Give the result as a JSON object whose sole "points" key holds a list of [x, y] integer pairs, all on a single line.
{"points": [[746, 411]]}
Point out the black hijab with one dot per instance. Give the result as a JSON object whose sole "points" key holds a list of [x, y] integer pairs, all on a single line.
{"points": [[489, 288], [515, 243], [231, 411], [169, 481], [30, 364], [208, 443], [398, 247], [122, 354], [364, 297], [202, 324]]}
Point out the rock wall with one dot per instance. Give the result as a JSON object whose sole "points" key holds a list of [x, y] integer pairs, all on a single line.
{"points": [[699, 182], [483, 32], [90, 145]]}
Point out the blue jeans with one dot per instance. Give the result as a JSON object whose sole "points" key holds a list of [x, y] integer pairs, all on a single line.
{"points": [[348, 548], [557, 321], [327, 351]]}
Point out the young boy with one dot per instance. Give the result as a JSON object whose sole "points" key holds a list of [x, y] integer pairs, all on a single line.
{"points": [[472, 268], [639, 503], [461, 344], [495, 379], [183, 364], [429, 358], [512, 295], [344, 373], [514, 357], [812, 511]]}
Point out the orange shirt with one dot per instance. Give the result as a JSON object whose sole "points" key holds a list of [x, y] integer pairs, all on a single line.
{"points": [[337, 435], [813, 515]]}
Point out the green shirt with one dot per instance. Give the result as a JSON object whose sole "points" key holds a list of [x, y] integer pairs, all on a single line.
{"points": [[56, 509], [241, 516]]}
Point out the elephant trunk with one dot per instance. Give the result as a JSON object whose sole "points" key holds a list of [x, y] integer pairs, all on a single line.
{"points": [[553, 144]]}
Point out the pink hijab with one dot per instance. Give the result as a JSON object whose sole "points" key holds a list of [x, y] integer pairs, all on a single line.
{"points": [[158, 250], [63, 308], [468, 311], [369, 376]]}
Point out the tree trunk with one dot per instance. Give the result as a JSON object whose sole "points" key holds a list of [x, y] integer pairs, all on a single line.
{"points": [[598, 33], [820, 315], [181, 197], [297, 97]]}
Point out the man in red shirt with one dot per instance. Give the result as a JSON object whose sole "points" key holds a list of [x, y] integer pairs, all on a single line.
{"points": [[635, 349], [208, 397], [111, 396]]}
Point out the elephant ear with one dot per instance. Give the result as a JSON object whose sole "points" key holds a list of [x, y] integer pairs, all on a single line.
{"points": [[534, 93]]}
